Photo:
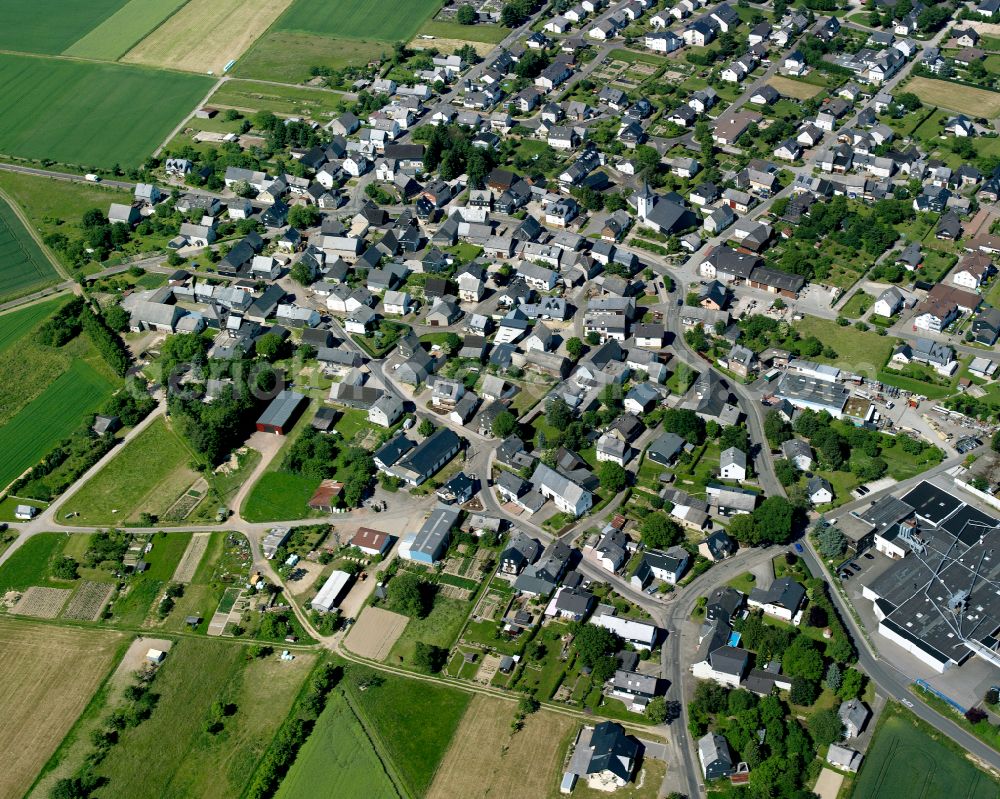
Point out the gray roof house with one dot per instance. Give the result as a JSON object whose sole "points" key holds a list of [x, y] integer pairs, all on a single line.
{"points": [[714, 755], [664, 449], [855, 715], [613, 756], [782, 599]]}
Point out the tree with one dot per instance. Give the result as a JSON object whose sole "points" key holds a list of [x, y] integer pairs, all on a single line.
{"points": [[995, 442], [974, 715], [302, 274], [826, 727], [269, 346], [773, 521], [851, 685], [426, 427], [802, 659], [528, 705], [407, 594], [303, 216], [452, 343], [466, 15], [834, 677], [659, 532], [612, 476], [504, 424], [832, 543], [776, 429], [786, 472], [804, 692], [685, 423], [593, 643], [656, 710], [428, 657], [558, 414], [574, 347]]}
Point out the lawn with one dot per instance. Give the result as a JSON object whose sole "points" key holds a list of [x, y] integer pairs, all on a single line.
{"points": [[124, 29], [443, 29], [50, 26], [381, 20], [51, 417], [298, 101], [279, 495], [290, 55], [956, 97], [147, 475], [907, 758], [31, 563], [23, 266], [440, 627], [394, 712], [857, 305], [117, 114], [338, 752], [171, 755], [49, 676], [856, 350]]}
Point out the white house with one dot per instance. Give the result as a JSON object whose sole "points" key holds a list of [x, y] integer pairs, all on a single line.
{"points": [[733, 464]]}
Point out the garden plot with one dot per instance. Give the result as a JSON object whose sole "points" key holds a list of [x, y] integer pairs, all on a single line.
{"points": [[375, 633], [230, 599], [42, 603], [185, 571], [88, 601]]}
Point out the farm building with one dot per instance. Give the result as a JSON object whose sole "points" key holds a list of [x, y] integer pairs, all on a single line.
{"points": [[330, 593], [25, 512], [281, 414], [155, 656], [326, 495], [371, 542], [273, 540]]}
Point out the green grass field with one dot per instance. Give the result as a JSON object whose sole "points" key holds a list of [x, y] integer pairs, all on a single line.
{"points": [[491, 34], [856, 350], [30, 564], [908, 760], [394, 711], [338, 752], [117, 34], [23, 266], [279, 495], [440, 627], [14, 324], [147, 474], [50, 26], [289, 55], [52, 416], [171, 755], [88, 114], [381, 20], [291, 100]]}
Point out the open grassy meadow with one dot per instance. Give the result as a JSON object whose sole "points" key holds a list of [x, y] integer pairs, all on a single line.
{"points": [[857, 351], [393, 711], [49, 676], [147, 475], [440, 627], [338, 752], [51, 417], [381, 20], [279, 495], [300, 101], [31, 563], [50, 26], [23, 266], [89, 114], [117, 34], [443, 29], [796, 89], [171, 755], [956, 97], [485, 751], [909, 760], [205, 35], [290, 55]]}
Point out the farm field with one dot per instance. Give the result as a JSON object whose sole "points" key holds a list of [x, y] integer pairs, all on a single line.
{"points": [[290, 55], [52, 416], [190, 39], [50, 674], [246, 95], [29, 564], [23, 266], [908, 760], [171, 754], [338, 752], [382, 20], [147, 475], [954, 96], [124, 29], [375, 632], [15, 325], [485, 752], [50, 26], [393, 710], [796, 89], [118, 114]]}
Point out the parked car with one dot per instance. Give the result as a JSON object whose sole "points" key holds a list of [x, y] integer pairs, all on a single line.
{"points": [[870, 556], [798, 548]]}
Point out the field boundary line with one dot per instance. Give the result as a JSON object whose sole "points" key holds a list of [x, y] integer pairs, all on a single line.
{"points": [[378, 747], [34, 235]]}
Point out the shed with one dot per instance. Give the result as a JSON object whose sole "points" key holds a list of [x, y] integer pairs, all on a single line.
{"points": [[281, 414]]}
